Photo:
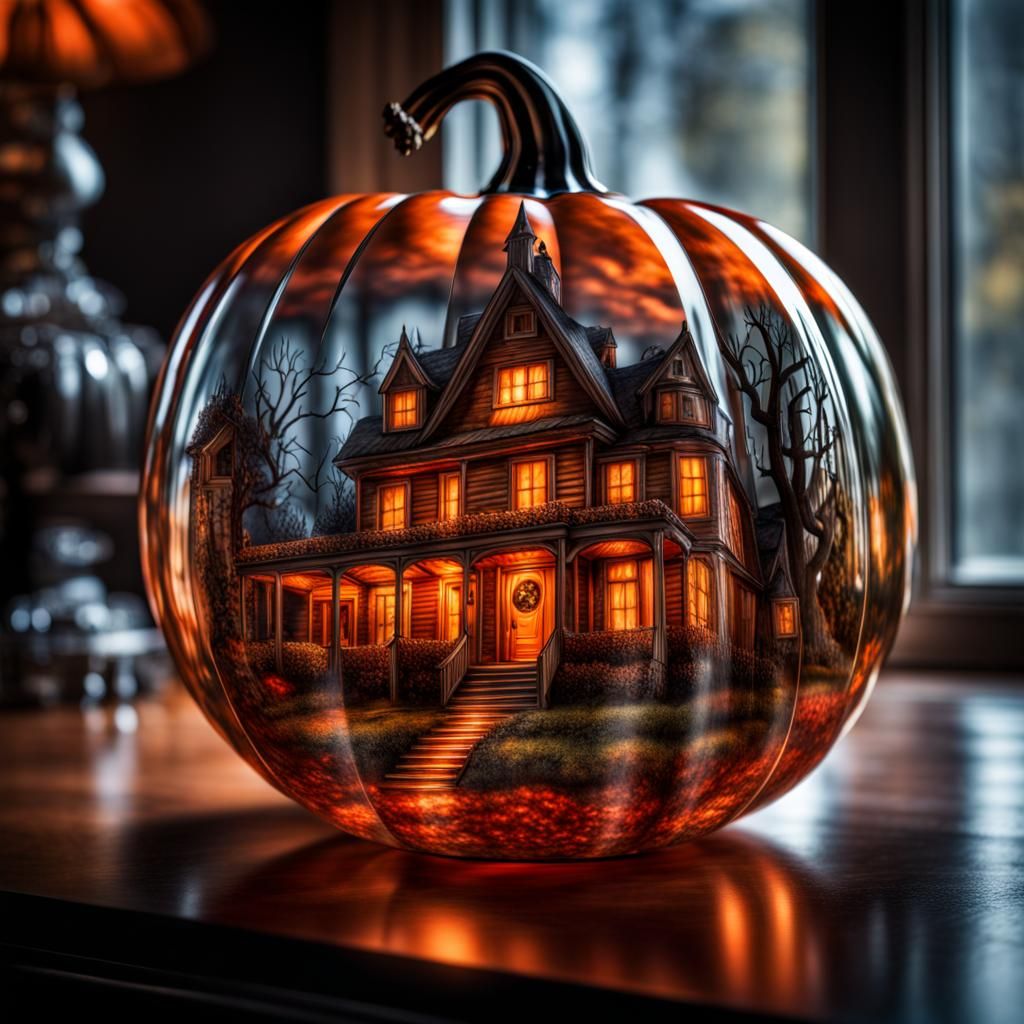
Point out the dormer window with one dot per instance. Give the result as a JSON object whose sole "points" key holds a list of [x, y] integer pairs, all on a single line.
{"points": [[678, 369], [522, 384], [676, 405], [404, 408], [520, 323]]}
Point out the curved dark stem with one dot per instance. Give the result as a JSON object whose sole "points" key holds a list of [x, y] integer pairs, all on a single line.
{"points": [[544, 150]]}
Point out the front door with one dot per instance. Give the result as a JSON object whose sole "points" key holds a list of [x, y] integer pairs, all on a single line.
{"points": [[526, 608]]}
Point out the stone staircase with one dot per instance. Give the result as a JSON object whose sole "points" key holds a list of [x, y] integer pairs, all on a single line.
{"points": [[487, 695]]}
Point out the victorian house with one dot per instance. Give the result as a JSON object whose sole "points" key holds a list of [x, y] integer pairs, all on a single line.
{"points": [[520, 484]]}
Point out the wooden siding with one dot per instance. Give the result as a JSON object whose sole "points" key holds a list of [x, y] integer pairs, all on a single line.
{"points": [[423, 616], [658, 482], [474, 407], [570, 469], [368, 505], [362, 614], [487, 485], [675, 582], [583, 593], [488, 617], [424, 498]]}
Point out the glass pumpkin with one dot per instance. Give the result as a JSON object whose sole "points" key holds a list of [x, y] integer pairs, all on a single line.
{"points": [[533, 524]]}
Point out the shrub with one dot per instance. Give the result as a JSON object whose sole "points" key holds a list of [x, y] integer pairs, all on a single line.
{"points": [[301, 663], [365, 673], [419, 681], [614, 647]]}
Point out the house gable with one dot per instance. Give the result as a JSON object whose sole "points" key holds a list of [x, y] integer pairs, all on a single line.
{"points": [[578, 383]]}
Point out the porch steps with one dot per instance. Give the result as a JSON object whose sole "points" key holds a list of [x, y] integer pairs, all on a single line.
{"points": [[487, 695]]}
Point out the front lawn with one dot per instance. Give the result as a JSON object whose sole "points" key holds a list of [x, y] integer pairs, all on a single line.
{"points": [[581, 747]]}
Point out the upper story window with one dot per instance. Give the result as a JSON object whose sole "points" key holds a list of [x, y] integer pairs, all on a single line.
{"points": [[531, 483], [620, 480], [520, 323], [520, 385], [393, 506], [785, 617], [451, 495], [698, 594], [693, 486], [678, 406], [735, 525], [403, 408]]}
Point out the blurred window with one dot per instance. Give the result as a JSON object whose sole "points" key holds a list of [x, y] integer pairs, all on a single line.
{"points": [[694, 98], [987, 236]]}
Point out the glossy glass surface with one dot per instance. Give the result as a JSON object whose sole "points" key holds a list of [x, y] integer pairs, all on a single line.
{"points": [[562, 678]]}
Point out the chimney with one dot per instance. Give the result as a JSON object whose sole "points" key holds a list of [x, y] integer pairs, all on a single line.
{"points": [[519, 244], [544, 271]]}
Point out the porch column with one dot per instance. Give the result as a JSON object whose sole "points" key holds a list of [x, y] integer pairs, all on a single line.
{"points": [[465, 596], [278, 625], [335, 649], [399, 611], [560, 585], [241, 614], [660, 638]]}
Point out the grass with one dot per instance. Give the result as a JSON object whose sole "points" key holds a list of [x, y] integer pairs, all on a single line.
{"points": [[583, 746]]}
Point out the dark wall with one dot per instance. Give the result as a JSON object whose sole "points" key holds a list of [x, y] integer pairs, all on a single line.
{"points": [[196, 164]]}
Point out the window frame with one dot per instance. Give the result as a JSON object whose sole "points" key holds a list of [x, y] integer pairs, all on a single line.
{"points": [[415, 390], [677, 490], [606, 465], [406, 487], [529, 332], [442, 498], [777, 604], [512, 491], [712, 624], [548, 397]]}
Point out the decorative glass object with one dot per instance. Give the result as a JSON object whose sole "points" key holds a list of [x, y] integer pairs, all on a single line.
{"points": [[531, 524]]}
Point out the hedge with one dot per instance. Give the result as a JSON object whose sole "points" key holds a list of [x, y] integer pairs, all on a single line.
{"points": [[419, 681]]}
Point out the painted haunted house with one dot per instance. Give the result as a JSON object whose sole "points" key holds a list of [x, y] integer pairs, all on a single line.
{"points": [[521, 487]]}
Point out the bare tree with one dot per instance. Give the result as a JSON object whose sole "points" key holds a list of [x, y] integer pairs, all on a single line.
{"points": [[790, 399], [270, 458]]}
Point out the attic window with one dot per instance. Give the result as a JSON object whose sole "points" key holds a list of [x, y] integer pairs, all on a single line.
{"points": [[520, 323], [678, 370], [523, 384], [404, 409], [784, 617]]}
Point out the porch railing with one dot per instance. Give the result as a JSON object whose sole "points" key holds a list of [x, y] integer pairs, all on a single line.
{"points": [[392, 646], [547, 665], [453, 668]]}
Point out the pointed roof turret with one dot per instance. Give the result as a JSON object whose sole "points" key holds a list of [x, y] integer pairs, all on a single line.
{"points": [[519, 244]]}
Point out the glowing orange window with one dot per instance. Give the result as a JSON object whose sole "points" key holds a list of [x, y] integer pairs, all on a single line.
{"points": [[623, 595], [404, 409], [518, 385], [693, 486], [698, 594], [451, 495], [393, 504], [620, 482], [667, 406], [530, 483], [785, 618], [452, 611]]}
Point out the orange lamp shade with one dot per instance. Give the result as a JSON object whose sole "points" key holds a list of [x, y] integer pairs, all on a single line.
{"points": [[92, 42]]}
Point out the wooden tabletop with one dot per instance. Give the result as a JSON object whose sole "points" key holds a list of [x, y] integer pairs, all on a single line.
{"points": [[140, 858]]}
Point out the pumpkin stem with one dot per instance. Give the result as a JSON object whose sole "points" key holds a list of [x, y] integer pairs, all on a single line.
{"points": [[544, 150]]}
